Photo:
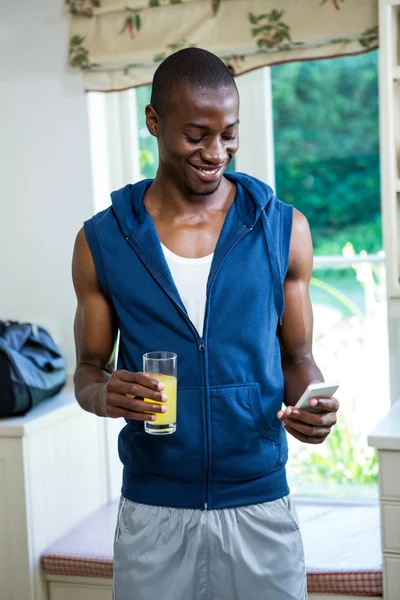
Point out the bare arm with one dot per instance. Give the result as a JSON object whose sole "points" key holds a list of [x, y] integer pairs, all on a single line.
{"points": [[97, 388], [94, 328], [297, 325], [299, 367]]}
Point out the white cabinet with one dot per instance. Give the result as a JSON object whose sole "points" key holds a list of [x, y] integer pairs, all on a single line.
{"points": [[80, 591], [391, 569], [389, 97], [53, 473], [386, 438], [390, 518]]}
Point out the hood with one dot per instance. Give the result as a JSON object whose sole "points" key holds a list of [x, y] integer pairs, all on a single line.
{"points": [[128, 204]]}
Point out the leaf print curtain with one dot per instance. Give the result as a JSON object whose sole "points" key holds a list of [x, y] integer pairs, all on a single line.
{"points": [[118, 45]]}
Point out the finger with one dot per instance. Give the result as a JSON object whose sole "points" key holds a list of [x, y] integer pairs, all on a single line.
{"points": [[131, 403], [143, 392], [303, 438], [299, 436], [139, 378], [316, 419], [325, 404], [116, 413], [308, 430], [132, 390], [140, 406]]}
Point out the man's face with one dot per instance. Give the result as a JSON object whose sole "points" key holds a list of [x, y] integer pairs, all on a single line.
{"points": [[198, 139]]}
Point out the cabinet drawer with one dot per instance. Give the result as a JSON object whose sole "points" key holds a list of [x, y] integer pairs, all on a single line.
{"points": [[391, 578], [389, 470], [67, 591], [390, 527]]}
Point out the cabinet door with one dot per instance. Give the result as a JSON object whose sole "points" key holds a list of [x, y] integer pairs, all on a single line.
{"points": [[391, 570], [79, 591], [389, 469], [390, 527], [15, 580]]}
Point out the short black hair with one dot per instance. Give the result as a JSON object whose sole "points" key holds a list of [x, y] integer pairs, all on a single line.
{"points": [[192, 67]]}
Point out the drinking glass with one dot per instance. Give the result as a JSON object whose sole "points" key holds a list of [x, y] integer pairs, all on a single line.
{"points": [[163, 367]]}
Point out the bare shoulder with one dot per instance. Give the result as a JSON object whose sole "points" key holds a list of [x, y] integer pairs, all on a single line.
{"points": [[83, 268], [301, 248]]}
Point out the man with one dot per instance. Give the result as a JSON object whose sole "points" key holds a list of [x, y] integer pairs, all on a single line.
{"points": [[205, 512]]}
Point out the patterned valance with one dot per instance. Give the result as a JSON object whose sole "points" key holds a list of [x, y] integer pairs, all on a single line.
{"points": [[118, 45]]}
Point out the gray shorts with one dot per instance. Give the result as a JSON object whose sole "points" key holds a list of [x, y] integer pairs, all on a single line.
{"points": [[246, 553]]}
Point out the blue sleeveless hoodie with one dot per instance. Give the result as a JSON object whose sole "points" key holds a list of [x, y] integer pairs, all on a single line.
{"points": [[229, 448]]}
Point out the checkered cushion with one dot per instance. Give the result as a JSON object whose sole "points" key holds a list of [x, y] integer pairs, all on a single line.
{"points": [[336, 563], [355, 584], [87, 551], [77, 566]]}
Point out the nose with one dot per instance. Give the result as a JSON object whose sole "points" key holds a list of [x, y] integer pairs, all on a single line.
{"points": [[214, 152]]}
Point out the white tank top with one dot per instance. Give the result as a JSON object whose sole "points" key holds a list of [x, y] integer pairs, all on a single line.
{"points": [[190, 276]]}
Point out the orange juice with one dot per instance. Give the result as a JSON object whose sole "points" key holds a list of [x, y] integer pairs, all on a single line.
{"points": [[170, 384]]}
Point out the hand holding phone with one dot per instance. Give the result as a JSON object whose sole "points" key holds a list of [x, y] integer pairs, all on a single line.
{"points": [[316, 390]]}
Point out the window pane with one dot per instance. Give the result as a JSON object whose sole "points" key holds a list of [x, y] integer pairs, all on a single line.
{"points": [[147, 143], [350, 346], [326, 137]]}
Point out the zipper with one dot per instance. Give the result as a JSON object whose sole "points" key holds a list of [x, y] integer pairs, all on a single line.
{"points": [[202, 350]]}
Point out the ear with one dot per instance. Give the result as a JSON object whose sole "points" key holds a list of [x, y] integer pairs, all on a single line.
{"points": [[152, 121]]}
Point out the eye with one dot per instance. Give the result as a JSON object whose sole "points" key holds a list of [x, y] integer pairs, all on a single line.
{"points": [[194, 140], [229, 137]]}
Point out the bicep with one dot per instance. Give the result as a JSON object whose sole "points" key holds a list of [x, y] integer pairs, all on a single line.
{"points": [[296, 331], [95, 321]]}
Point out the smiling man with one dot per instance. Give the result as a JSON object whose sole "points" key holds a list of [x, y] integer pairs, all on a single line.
{"points": [[213, 267]]}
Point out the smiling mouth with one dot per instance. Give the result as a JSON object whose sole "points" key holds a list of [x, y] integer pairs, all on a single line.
{"points": [[207, 173]]}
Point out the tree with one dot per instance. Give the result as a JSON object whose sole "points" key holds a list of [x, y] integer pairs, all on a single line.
{"points": [[326, 133]]}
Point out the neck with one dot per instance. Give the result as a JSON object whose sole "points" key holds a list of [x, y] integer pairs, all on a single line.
{"points": [[174, 200]]}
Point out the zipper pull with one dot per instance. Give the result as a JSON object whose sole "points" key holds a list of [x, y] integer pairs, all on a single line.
{"points": [[201, 345]]}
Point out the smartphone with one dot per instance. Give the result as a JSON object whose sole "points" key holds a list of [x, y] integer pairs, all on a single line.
{"points": [[316, 390]]}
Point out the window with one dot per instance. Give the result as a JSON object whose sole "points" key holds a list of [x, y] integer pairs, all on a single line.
{"points": [[326, 147]]}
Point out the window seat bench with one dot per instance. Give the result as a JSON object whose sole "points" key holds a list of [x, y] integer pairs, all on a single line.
{"points": [[341, 541]]}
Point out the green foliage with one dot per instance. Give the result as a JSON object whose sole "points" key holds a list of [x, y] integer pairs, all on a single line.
{"points": [[215, 5], [270, 27], [327, 148], [342, 461], [82, 7], [370, 37], [146, 160], [147, 143], [78, 54]]}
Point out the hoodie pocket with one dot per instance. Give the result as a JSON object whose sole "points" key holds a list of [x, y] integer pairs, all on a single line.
{"points": [[244, 444], [179, 455]]}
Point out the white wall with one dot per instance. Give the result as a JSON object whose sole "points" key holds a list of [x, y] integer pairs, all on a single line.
{"points": [[45, 178], [256, 153]]}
